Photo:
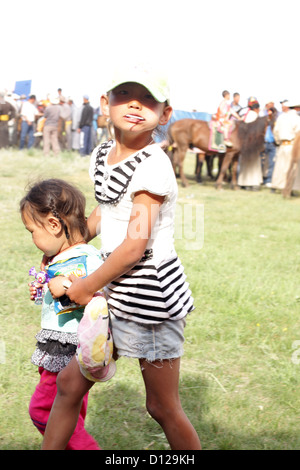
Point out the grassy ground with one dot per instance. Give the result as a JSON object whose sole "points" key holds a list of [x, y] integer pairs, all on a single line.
{"points": [[240, 372]]}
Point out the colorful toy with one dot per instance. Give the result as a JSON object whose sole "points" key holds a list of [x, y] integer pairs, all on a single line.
{"points": [[41, 277]]}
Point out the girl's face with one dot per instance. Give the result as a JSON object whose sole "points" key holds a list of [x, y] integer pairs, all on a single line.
{"points": [[132, 108], [47, 236]]}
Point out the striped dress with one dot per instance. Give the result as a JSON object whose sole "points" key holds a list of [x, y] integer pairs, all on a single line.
{"points": [[156, 288]]}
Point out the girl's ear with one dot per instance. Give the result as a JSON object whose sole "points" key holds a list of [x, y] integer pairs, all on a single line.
{"points": [[104, 105], [54, 225], [166, 115]]}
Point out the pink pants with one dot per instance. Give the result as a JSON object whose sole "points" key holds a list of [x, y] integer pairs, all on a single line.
{"points": [[40, 407]]}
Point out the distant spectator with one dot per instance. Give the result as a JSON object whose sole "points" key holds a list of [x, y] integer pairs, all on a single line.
{"points": [[29, 113], [285, 130], [7, 112], [270, 148], [52, 114], [85, 126], [64, 126], [75, 117], [60, 95]]}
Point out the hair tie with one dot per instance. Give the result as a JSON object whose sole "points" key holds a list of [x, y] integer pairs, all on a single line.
{"points": [[56, 214]]}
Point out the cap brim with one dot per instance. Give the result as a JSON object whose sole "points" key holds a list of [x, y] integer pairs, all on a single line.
{"points": [[157, 94]]}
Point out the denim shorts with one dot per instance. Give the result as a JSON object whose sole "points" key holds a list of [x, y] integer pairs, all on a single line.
{"points": [[153, 342]]}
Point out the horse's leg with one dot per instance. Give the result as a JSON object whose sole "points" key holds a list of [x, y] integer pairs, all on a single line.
{"points": [[225, 165], [234, 172], [173, 154], [199, 168], [181, 155], [220, 162], [209, 164], [197, 164]]}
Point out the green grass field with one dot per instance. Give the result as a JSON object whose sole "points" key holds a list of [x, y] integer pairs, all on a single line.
{"points": [[240, 374]]}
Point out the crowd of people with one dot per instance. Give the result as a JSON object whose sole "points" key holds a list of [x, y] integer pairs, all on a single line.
{"points": [[272, 165], [57, 124], [54, 123]]}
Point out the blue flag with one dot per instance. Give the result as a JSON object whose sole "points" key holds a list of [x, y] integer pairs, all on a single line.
{"points": [[23, 87]]}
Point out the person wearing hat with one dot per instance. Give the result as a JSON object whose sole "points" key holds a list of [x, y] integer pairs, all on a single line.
{"points": [[285, 130], [7, 112], [50, 131], [252, 111], [85, 127], [148, 296]]}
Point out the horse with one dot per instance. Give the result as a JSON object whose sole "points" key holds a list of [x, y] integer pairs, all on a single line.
{"points": [[295, 161], [200, 158], [105, 124], [245, 137]]}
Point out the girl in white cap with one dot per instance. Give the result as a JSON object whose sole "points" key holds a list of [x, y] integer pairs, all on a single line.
{"points": [[148, 296]]}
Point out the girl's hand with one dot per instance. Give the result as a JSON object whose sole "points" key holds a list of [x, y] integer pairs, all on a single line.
{"points": [[57, 287], [33, 286], [32, 289], [78, 291]]}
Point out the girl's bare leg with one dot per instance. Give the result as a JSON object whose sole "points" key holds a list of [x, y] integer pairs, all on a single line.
{"points": [[71, 388], [163, 403]]}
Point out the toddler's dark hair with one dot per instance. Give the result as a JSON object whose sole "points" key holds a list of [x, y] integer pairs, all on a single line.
{"points": [[60, 198]]}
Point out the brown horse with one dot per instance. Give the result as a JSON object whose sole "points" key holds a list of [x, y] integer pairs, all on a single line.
{"points": [[245, 137], [295, 161], [104, 123]]}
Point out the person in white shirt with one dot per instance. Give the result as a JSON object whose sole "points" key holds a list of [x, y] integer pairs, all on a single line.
{"points": [[285, 130], [147, 292], [29, 112]]}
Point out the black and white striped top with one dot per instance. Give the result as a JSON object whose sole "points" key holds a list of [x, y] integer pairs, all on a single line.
{"points": [[155, 289]]}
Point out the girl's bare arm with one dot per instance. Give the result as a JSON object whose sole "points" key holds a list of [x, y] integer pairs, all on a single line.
{"points": [[143, 216], [93, 223]]}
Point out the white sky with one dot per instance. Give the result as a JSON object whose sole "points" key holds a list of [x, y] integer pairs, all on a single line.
{"points": [[205, 45]]}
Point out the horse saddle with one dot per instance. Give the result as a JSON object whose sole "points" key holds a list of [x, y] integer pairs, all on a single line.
{"points": [[216, 137]]}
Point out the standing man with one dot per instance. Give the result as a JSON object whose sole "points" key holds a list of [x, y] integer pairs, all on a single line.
{"points": [[7, 112], [285, 130], [29, 113], [85, 126], [64, 124], [50, 132]]}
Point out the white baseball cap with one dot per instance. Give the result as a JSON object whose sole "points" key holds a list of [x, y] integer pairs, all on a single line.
{"points": [[152, 79], [291, 103]]}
